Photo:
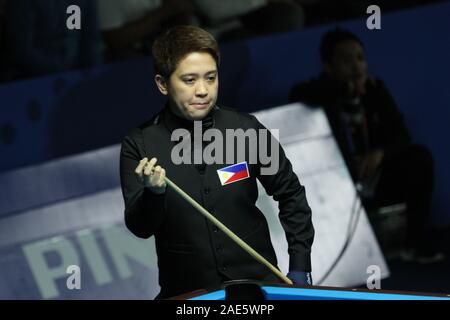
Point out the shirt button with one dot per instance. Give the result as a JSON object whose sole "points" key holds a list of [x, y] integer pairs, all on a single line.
{"points": [[224, 268], [219, 248], [206, 190], [216, 229]]}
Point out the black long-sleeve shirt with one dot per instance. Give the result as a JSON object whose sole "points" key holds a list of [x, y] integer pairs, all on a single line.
{"points": [[192, 252], [384, 125]]}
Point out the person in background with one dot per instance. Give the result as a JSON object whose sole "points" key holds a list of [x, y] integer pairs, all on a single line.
{"points": [[38, 41], [130, 26], [372, 137], [235, 20]]}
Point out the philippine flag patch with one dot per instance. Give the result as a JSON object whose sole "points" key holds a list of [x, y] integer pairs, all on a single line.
{"points": [[233, 173]]}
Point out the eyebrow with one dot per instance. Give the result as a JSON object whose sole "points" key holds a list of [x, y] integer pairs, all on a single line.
{"points": [[196, 74]]}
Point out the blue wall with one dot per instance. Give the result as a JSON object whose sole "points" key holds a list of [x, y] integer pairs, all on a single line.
{"points": [[67, 113]]}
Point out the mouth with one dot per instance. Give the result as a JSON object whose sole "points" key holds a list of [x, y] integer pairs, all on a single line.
{"points": [[200, 106]]}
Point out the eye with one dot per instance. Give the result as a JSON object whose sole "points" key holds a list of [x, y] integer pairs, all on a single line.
{"points": [[189, 80], [211, 78]]}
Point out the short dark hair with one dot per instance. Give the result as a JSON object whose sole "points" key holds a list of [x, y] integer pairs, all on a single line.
{"points": [[171, 46], [331, 39]]}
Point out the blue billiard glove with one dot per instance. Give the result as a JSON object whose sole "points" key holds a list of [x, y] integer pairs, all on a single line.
{"points": [[300, 277]]}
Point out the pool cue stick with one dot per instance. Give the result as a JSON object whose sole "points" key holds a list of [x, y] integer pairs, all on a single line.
{"points": [[227, 231]]}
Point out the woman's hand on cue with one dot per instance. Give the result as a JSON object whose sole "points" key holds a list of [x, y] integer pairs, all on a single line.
{"points": [[152, 176]]}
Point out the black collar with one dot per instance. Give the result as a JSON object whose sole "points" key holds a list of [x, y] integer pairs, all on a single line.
{"points": [[172, 121]]}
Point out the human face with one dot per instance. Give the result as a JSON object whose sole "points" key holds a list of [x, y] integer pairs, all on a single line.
{"points": [[192, 88], [348, 63]]}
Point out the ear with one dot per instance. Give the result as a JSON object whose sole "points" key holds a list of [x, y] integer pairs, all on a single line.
{"points": [[161, 83]]}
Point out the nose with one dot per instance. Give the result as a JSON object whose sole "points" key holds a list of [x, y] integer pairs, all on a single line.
{"points": [[201, 89]]}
